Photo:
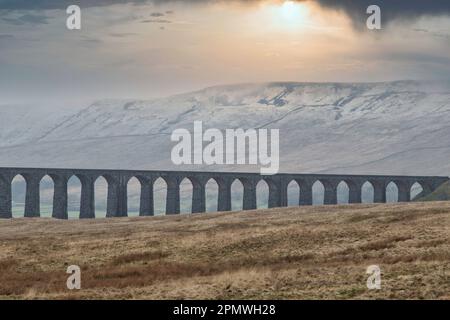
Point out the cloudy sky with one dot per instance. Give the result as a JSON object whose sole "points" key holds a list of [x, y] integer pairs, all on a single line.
{"points": [[149, 48]]}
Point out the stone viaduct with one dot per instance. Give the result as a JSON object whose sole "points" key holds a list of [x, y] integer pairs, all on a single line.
{"points": [[118, 180]]}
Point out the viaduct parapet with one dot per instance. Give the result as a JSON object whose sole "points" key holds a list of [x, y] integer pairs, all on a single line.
{"points": [[117, 181]]}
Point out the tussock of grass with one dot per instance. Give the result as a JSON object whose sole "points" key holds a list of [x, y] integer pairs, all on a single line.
{"points": [[140, 256]]}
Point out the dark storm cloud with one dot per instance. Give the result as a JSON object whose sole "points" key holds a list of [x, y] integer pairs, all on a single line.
{"points": [[356, 9], [403, 10], [396, 8], [390, 9]]}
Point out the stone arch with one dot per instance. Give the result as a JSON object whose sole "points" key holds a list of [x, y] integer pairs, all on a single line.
{"points": [[367, 192], [379, 190], [173, 201], [18, 185], [293, 194], [87, 197], [102, 196], [318, 190], [198, 202], [249, 194], [354, 190], [146, 195], [237, 195], [403, 190], [73, 197], [224, 201], [330, 186], [306, 191], [343, 192], [277, 192], [160, 196], [392, 192], [46, 194], [32, 196], [212, 195], [116, 195]]}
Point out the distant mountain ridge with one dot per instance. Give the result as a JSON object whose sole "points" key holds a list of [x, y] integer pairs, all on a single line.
{"points": [[373, 128]]}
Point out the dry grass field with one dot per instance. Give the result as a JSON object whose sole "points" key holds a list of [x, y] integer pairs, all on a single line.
{"points": [[291, 253]]}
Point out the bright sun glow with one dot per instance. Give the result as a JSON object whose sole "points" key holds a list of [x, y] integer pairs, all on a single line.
{"points": [[288, 16], [292, 13]]}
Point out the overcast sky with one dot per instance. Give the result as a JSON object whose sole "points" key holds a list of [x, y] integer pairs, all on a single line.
{"points": [[142, 49]]}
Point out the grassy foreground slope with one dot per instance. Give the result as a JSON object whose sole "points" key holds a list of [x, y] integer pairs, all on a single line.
{"points": [[309, 252]]}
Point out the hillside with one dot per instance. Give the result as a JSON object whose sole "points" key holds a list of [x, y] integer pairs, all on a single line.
{"points": [[371, 128], [440, 194], [310, 252]]}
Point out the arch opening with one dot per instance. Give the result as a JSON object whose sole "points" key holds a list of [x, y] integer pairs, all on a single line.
{"points": [[318, 190], [391, 192], [160, 196], [73, 197], [133, 197], [293, 194], [343, 193], [416, 191], [101, 197], [237, 195], [212, 195], [367, 193], [18, 187], [262, 194], [46, 192], [186, 194]]}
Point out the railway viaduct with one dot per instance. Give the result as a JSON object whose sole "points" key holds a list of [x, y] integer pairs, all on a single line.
{"points": [[118, 180]]}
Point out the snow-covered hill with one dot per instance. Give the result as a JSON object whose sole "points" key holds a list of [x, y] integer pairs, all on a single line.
{"points": [[379, 128]]}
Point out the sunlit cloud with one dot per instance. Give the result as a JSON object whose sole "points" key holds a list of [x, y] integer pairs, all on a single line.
{"points": [[142, 49]]}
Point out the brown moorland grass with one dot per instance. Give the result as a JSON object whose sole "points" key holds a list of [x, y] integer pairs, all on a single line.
{"points": [[291, 253]]}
